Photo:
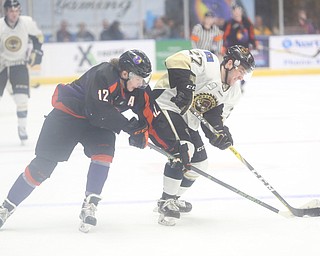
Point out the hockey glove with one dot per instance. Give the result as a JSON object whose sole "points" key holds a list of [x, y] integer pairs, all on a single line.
{"points": [[35, 57], [184, 98], [223, 139], [182, 160], [138, 131]]}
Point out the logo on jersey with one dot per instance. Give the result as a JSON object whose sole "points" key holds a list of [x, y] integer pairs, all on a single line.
{"points": [[204, 102], [13, 44], [209, 56]]}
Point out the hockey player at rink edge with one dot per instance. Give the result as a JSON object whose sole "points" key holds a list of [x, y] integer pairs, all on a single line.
{"points": [[195, 78], [88, 111], [15, 32]]}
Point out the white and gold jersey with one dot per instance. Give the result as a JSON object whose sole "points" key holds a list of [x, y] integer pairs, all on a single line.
{"points": [[14, 42], [205, 74]]}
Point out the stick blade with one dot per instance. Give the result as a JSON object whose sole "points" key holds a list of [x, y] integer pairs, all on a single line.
{"points": [[310, 209]]}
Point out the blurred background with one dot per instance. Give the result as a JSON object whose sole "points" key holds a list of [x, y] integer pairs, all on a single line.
{"points": [[91, 31]]}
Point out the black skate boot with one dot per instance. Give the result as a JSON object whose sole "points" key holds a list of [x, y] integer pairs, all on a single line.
{"points": [[22, 132], [6, 209], [168, 212], [183, 206], [87, 215]]}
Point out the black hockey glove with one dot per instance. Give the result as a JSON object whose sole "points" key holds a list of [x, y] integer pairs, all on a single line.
{"points": [[182, 160], [223, 139], [35, 57], [138, 131], [184, 98]]}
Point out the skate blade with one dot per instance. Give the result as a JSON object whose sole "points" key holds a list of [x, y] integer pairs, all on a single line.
{"points": [[84, 227], [166, 221]]}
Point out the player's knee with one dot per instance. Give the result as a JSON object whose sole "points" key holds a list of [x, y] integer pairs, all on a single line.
{"points": [[39, 170], [102, 159]]}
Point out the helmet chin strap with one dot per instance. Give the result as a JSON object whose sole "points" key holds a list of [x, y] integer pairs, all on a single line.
{"points": [[225, 85]]}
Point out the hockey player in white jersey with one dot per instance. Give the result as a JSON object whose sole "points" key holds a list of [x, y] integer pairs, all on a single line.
{"points": [[16, 32], [195, 78]]}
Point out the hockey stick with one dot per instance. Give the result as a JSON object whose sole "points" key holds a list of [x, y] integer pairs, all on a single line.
{"points": [[208, 176], [291, 52], [298, 212]]}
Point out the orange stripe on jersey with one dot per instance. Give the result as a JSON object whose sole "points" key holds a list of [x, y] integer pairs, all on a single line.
{"points": [[158, 139], [195, 38], [102, 158], [29, 177], [59, 105], [147, 112], [113, 87]]}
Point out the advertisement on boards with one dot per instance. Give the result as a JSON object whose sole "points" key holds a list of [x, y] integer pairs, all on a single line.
{"points": [[73, 59], [294, 52]]}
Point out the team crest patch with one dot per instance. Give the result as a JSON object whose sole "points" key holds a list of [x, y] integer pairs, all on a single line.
{"points": [[204, 102], [13, 43]]}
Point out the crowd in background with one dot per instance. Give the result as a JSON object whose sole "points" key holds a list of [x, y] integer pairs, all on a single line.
{"points": [[166, 27]]}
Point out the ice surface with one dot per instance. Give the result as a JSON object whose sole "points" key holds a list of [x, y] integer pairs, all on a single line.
{"points": [[276, 129]]}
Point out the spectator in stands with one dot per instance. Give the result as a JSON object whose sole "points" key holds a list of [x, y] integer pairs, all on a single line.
{"points": [[160, 29], [63, 35], [83, 34], [239, 30], [114, 32], [176, 31], [206, 35], [304, 23], [104, 33], [260, 28]]}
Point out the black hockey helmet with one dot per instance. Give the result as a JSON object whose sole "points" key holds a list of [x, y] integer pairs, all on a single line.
{"points": [[240, 56], [11, 4], [137, 62]]}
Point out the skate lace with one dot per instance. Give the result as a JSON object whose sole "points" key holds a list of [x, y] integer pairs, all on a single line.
{"points": [[89, 209], [180, 203], [170, 204], [22, 131]]}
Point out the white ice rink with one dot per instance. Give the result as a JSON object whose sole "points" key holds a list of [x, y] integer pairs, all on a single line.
{"points": [[276, 127]]}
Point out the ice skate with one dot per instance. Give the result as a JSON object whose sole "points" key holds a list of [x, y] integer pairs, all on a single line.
{"points": [[87, 215], [6, 209], [169, 211], [183, 206], [22, 132]]}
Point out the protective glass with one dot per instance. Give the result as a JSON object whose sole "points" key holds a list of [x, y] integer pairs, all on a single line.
{"points": [[142, 82]]}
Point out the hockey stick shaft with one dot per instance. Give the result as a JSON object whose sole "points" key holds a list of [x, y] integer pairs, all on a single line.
{"points": [[292, 52], [313, 212], [208, 176]]}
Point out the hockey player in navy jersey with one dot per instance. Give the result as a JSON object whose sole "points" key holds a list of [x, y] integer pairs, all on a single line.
{"points": [[15, 33], [195, 78], [88, 111]]}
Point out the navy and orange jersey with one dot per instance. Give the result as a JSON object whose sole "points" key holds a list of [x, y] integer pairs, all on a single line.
{"points": [[99, 97], [239, 33]]}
